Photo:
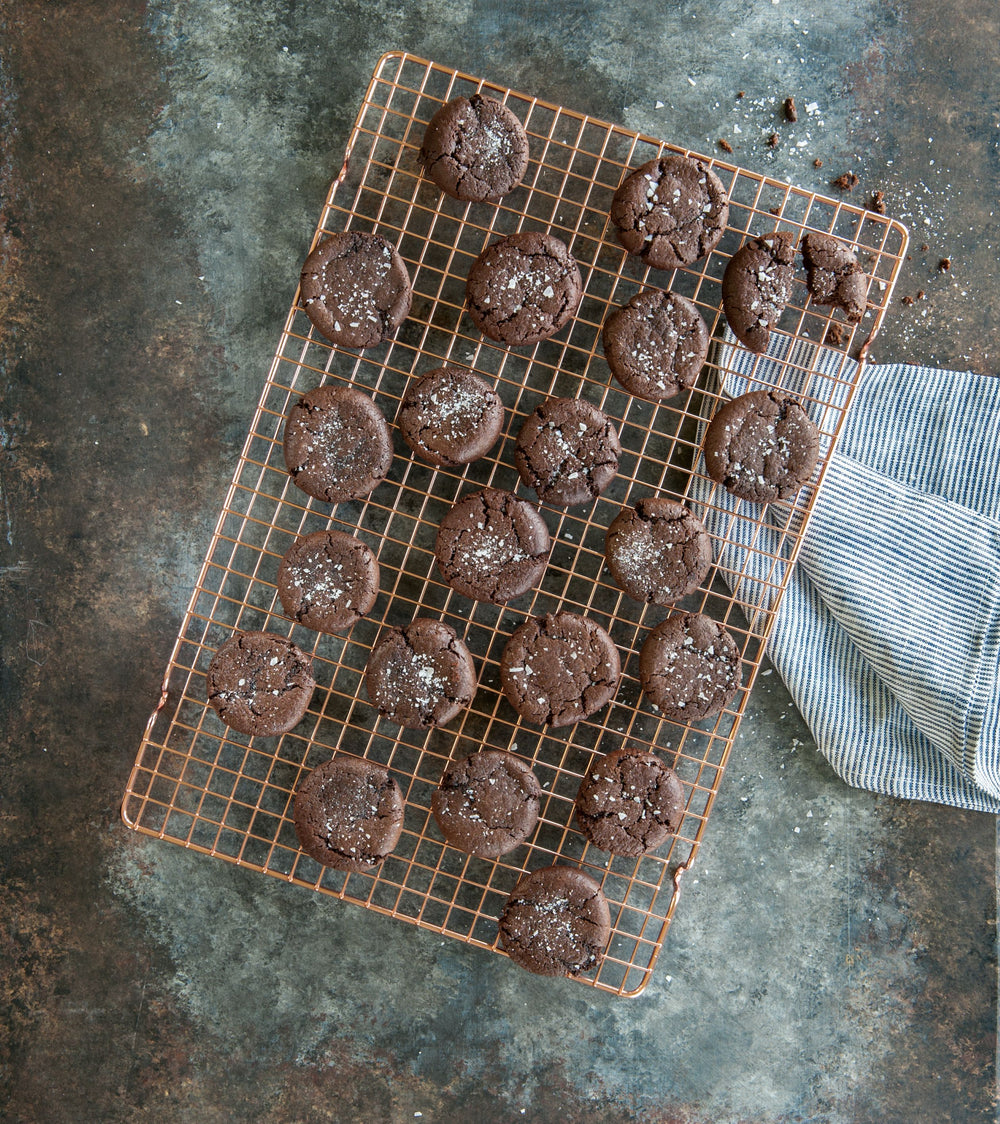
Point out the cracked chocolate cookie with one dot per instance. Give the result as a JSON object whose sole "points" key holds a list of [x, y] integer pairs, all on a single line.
{"points": [[492, 546], [421, 675], [689, 667], [355, 289], [487, 803], [656, 345], [671, 211], [757, 285], [567, 450], [260, 683], [450, 416], [761, 446], [523, 288], [657, 551], [630, 802], [559, 669], [327, 580], [475, 149], [833, 275], [348, 813], [337, 444], [556, 922]]}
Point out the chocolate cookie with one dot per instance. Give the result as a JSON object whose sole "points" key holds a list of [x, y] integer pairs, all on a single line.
{"points": [[355, 288], [559, 669], [833, 275], [421, 675], [450, 416], [629, 802], [689, 667], [348, 813], [328, 580], [670, 211], [757, 285], [475, 149], [556, 922], [658, 550], [761, 446], [260, 683], [492, 546], [337, 443], [567, 450], [523, 288], [487, 803], [656, 344]]}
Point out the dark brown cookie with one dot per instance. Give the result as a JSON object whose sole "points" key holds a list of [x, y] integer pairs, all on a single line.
{"points": [[757, 285], [421, 675], [761, 446], [689, 667], [556, 922], [337, 443], [658, 550], [833, 275], [450, 416], [260, 683], [656, 345], [328, 580], [567, 450], [355, 288], [523, 288], [630, 802], [475, 149], [492, 546], [670, 211], [559, 669], [487, 803], [348, 813]]}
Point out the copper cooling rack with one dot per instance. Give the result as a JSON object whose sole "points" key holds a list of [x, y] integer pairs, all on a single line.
{"points": [[203, 786]]}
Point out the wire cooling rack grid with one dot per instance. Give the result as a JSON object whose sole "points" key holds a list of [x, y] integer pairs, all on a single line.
{"points": [[205, 787]]}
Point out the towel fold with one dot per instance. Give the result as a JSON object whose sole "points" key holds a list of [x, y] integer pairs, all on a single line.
{"points": [[888, 633]]}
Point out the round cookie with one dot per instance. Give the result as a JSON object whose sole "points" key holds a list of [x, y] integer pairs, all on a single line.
{"points": [[657, 551], [260, 683], [348, 813], [475, 149], [689, 667], [492, 546], [761, 446], [630, 802], [450, 416], [567, 450], [421, 675], [656, 345], [757, 285], [833, 275], [487, 803], [556, 922], [559, 669], [523, 288], [337, 443], [328, 580], [355, 288], [671, 211]]}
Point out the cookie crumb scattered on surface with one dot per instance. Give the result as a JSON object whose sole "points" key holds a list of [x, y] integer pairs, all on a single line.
{"points": [[772, 141], [907, 300], [741, 94], [846, 182], [878, 202], [791, 113], [817, 163], [834, 334], [944, 265], [725, 145]]}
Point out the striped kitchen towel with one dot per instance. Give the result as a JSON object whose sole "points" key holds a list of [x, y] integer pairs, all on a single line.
{"points": [[888, 634]]}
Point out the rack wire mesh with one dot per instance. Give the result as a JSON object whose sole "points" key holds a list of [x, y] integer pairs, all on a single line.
{"points": [[205, 787]]}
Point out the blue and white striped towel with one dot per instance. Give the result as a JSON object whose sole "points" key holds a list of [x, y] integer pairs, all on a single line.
{"points": [[888, 634]]}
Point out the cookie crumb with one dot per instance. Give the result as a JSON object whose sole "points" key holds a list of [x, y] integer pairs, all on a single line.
{"points": [[920, 294], [740, 94], [907, 300], [944, 265], [725, 145], [834, 334], [817, 163], [772, 141], [791, 113], [878, 202], [924, 248], [846, 182], [776, 211]]}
